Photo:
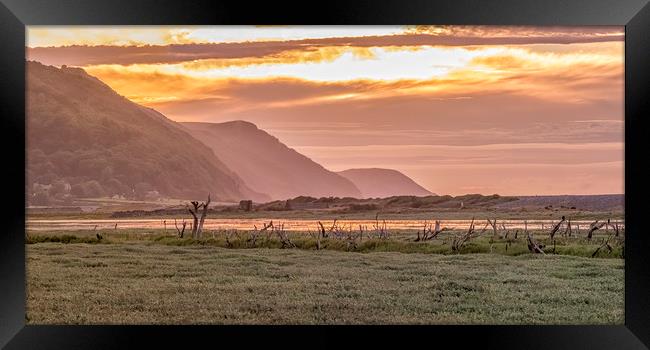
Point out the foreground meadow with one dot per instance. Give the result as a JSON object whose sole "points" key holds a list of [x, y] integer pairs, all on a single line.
{"points": [[146, 282]]}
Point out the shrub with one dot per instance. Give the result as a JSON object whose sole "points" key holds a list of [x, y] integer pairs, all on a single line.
{"points": [[362, 207], [90, 189], [41, 198]]}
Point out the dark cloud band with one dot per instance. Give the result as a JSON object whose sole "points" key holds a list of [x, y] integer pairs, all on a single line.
{"points": [[124, 55]]}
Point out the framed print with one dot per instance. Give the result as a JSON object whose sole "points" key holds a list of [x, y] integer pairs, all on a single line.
{"points": [[382, 171]]}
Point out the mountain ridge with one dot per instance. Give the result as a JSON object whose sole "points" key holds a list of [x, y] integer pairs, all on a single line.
{"points": [[85, 140], [381, 183], [266, 164]]}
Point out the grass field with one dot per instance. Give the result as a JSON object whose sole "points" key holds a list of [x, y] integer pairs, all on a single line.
{"points": [[145, 282]]}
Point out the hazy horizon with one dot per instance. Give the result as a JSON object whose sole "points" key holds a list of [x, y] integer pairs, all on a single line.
{"points": [[458, 109]]}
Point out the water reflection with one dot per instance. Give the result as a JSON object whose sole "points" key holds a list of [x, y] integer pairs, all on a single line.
{"points": [[289, 224]]}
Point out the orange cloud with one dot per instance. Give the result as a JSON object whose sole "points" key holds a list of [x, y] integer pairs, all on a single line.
{"points": [[553, 77], [517, 31], [310, 55], [508, 62], [84, 54], [520, 108]]}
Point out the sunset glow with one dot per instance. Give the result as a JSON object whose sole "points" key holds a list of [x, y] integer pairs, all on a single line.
{"points": [[465, 109]]}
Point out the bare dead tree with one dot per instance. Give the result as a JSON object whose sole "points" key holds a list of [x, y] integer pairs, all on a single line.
{"points": [[533, 246], [180, 232], [429, 231], [557, 227], [331, 229], [493, 223], [282, 235], [322, 230], [204, 213], [380, 229], [339, 231], [596, 225], [253, 236], [265, 228], [425, 230], [458, 242], [567, 231], [194, 213], [484, 228], [197, 227], [437, 229], [605, 245]]}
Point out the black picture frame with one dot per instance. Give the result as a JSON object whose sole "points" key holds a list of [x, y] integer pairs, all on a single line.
{"points": [[633, 14]]}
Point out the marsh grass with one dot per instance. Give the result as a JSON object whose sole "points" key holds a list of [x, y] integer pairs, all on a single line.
{"points": [[145, 282], [401, 241]]}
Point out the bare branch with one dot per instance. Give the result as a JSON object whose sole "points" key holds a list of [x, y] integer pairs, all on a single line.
{"points": [[533, 246], [557, 227], [596, 225]]}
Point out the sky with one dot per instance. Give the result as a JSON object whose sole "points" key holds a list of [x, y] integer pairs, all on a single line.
{"points": [[460, 109]]}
